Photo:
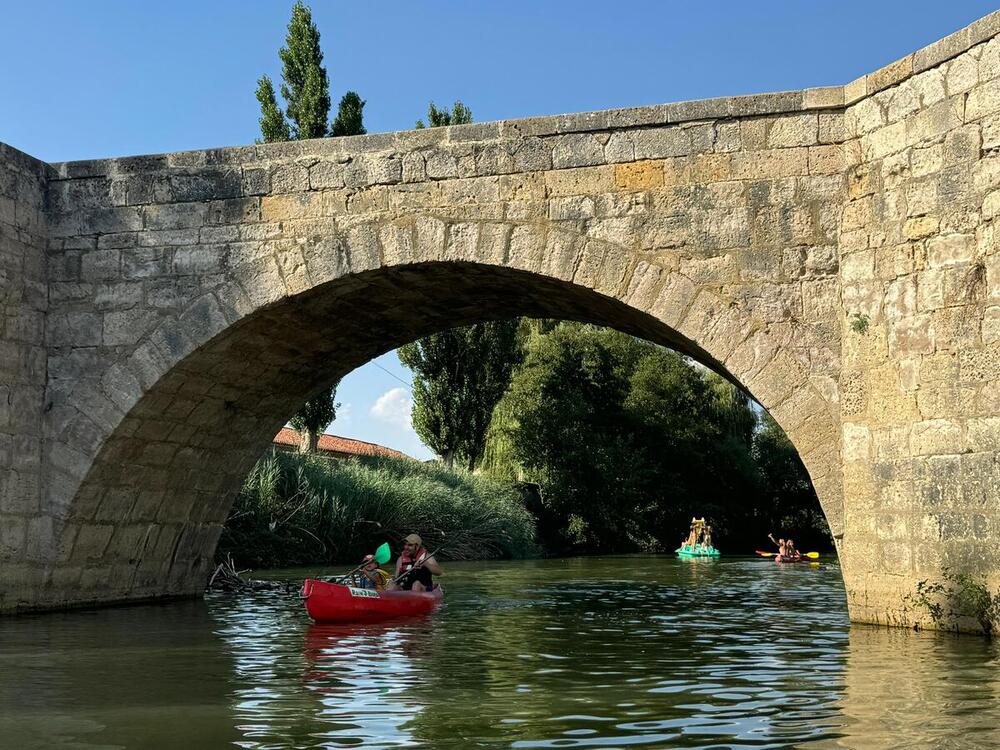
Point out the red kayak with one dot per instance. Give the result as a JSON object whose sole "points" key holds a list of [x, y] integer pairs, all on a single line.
{"points": [[332, 602]]}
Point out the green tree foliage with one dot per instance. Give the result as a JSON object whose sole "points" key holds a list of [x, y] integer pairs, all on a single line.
{"points": [[305, 87], [350, 116], [787, 500], [314, 417], [459, 375], [273, 125], [627, 441], [436, 118]]}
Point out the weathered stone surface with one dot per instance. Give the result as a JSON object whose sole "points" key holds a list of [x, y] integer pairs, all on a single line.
{"points": [[834, 250]]}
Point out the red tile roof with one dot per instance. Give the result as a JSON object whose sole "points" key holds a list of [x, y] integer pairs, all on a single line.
{"points": [[336, 445]]}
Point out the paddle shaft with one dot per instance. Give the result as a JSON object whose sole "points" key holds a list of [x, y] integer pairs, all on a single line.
{"points": [[810, 555], [350, 573]]}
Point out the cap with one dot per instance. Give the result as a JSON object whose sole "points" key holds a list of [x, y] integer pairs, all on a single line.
{"points": [[414, 539]]}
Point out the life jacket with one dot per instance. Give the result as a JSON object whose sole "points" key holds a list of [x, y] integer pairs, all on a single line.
{"points": [[381, 578], [406, 562], [410, 570]]}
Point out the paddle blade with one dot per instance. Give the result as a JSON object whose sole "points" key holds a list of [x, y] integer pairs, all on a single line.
{"points": [[812, 555], [766, 554], [383, 553]]}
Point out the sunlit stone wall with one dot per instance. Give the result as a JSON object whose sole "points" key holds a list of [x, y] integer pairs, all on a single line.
{"points": [[829, 249], [920, 293]]}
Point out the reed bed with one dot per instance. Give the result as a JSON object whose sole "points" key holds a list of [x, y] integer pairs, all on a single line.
{"points": [[296, 509]]}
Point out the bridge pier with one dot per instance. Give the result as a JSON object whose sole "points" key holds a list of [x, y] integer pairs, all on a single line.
{"points": [[25, 523]]}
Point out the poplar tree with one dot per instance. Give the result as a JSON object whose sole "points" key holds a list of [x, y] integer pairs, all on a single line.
{"points": [[349, 116], [305, 89]]}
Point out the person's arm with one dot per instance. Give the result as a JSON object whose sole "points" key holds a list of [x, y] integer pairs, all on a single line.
{"points": [[771, 537], [432, 565]]}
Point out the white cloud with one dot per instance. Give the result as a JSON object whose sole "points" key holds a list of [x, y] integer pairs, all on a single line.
{"points": [[345, 414], [394, 407]]}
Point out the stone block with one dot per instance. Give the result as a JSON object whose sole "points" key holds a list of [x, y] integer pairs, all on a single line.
{"points": [[890, 75], [768, 164], [174, 216], [961, 74], [440, 164], [793, 130], [585, 181], [660, 143], [921, 227], [936, 437], [527, 245], [642, 175], [951, 249], [255, 181], [576, 150]]}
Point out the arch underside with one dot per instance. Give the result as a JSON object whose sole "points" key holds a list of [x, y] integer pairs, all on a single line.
{"points": [[145, 520]]}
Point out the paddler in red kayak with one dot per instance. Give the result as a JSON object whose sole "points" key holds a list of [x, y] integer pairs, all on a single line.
{"points": [[415, 567], [371, 576]]}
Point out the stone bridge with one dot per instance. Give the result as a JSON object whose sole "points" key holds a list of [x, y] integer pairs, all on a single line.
{"points": [[834, 250]]}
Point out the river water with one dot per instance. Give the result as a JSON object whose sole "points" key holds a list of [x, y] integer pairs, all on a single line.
{"points": [[639, 651]]}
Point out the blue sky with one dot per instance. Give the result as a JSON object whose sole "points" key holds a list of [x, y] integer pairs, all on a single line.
{"points": [[92, 79]]}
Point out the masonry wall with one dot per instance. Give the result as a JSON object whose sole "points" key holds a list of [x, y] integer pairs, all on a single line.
{"points": [[920, 276], [832, 249], [24, 525]]}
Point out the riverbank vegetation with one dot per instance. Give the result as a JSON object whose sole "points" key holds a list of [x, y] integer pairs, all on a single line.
{"points": [[600, 443], [299, 509], [627, 441]]}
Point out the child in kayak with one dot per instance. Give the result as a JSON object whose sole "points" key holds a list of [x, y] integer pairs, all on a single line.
{"points": [[371, 576]]}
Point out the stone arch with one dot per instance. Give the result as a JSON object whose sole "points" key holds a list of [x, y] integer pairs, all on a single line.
{"points": [[178, 421]]}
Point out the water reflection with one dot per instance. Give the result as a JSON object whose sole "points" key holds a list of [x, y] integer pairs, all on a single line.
{"points": [[370, 687], [919, 690], [606, 652]]}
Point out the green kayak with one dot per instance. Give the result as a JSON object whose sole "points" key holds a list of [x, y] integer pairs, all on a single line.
{"points": [[699, 550]]}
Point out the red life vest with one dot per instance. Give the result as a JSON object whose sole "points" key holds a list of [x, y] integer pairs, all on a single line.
{"points": [[406, 562]]}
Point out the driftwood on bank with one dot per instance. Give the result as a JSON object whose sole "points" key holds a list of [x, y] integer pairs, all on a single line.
{"points": [[226, 578]]}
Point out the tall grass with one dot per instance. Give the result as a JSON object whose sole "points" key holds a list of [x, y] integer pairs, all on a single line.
{"points": [[300, 510]]}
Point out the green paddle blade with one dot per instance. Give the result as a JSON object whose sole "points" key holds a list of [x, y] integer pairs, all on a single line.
{"points": [[383, 553]]}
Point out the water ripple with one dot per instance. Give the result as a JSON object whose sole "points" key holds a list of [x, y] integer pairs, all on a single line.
{"points": [[588, 653]]}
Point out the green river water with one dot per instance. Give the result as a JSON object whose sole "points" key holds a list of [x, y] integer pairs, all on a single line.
{"points": [[638, 651]]}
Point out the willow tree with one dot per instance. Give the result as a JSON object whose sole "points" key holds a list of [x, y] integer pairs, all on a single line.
{"points": [[305, 89]]}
